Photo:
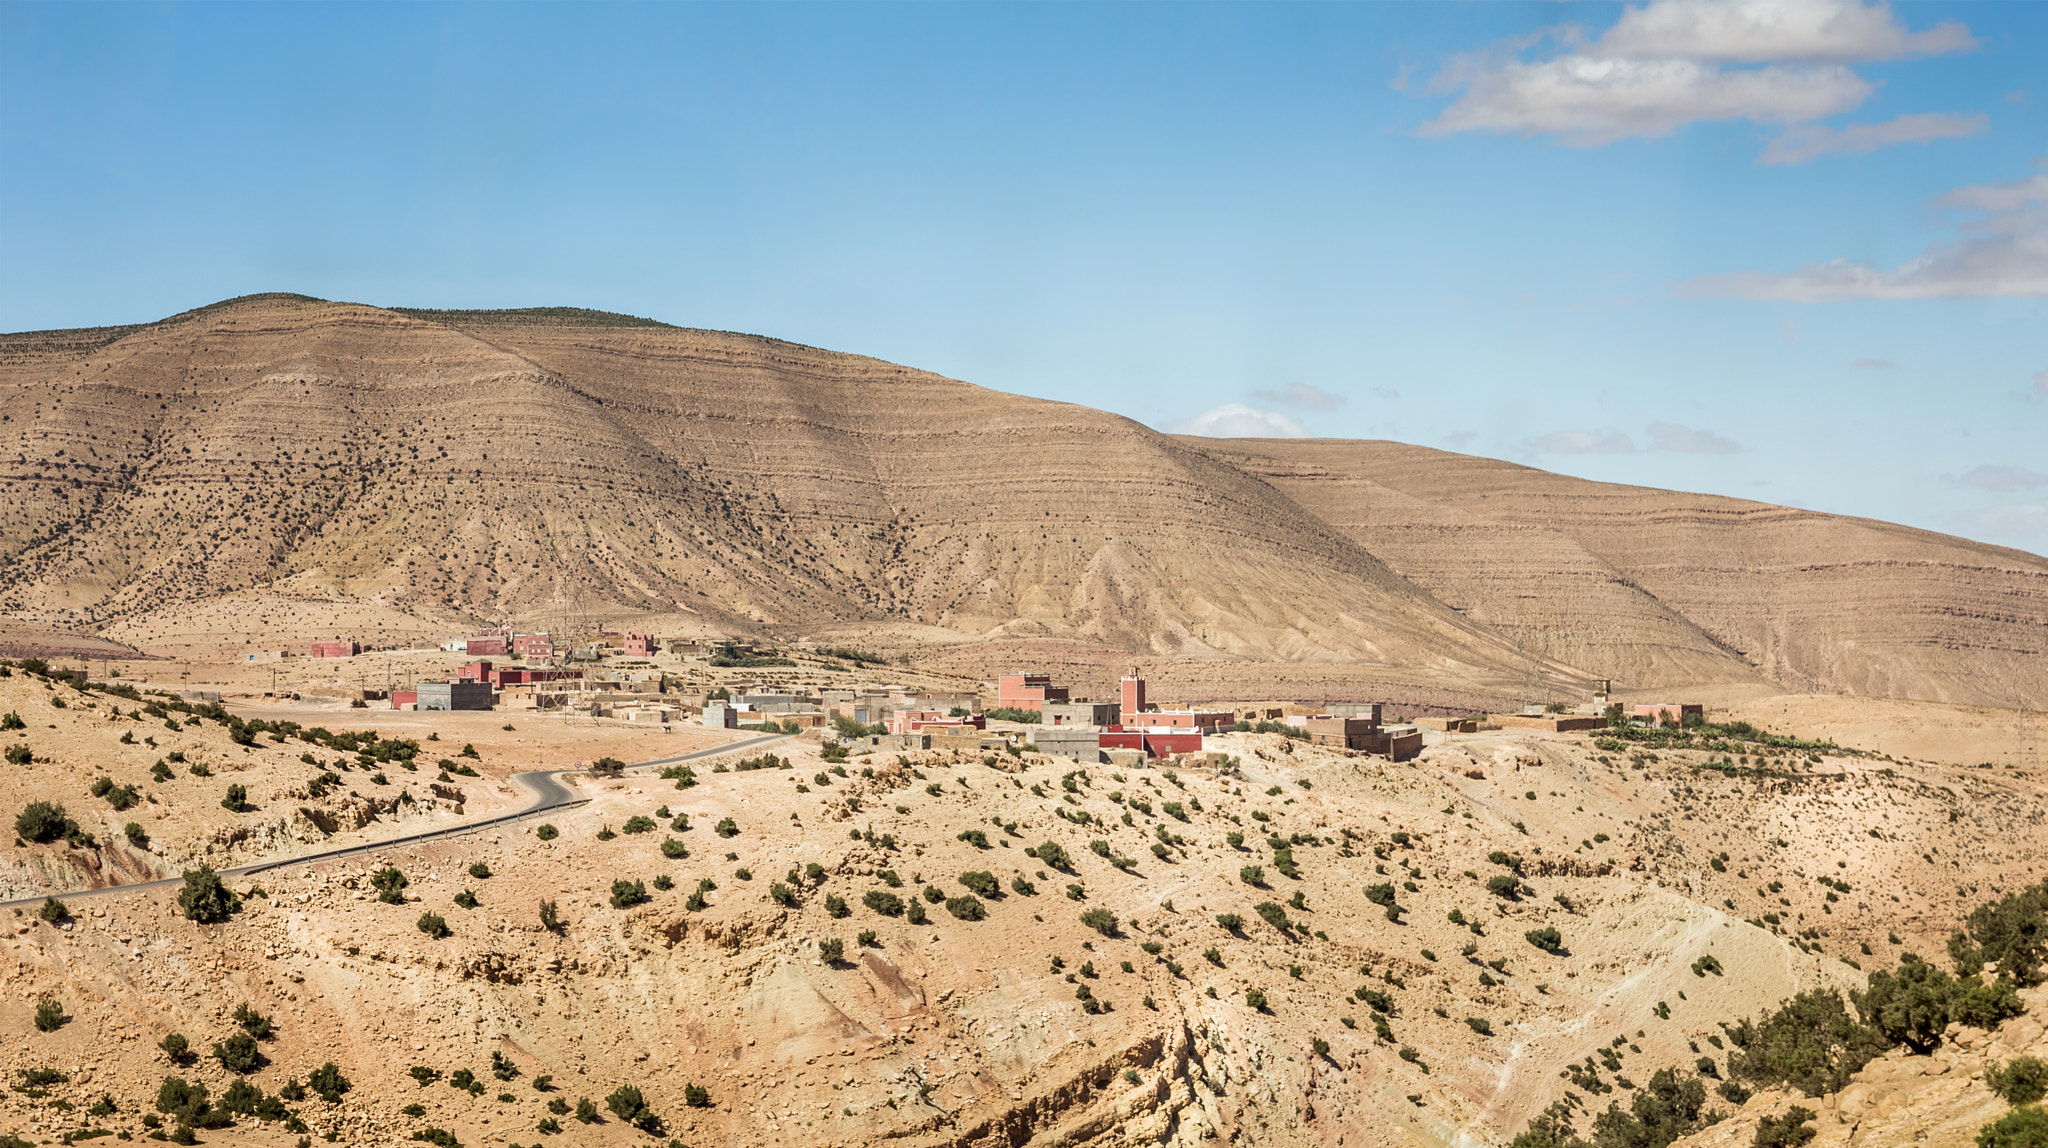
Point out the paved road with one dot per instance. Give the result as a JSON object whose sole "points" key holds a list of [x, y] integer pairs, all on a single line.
{"points": [[548, 794]]}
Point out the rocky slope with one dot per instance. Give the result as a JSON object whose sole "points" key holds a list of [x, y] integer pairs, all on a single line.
{"points": [[973, 1026]]}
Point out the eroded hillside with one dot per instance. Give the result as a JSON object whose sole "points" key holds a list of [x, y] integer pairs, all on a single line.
{"points": [[1301, 946]]}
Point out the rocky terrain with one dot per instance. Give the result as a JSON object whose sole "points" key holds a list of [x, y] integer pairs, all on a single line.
{"points": [[275, 468], [1287, 944]]}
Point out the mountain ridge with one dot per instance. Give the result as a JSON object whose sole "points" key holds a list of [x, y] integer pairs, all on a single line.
{"points": [[529, 464]]}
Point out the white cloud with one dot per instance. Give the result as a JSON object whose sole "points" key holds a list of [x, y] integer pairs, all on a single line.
{"points": [[1666, 64], [1302, 395], [1686, 440], [1872, 365], [1236, 420], [1589, 101], [1750, 31], [1583, 442], [2004, 479], [1811, 141], [2001, 254]]}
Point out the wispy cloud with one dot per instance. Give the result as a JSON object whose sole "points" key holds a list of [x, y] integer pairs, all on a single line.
{"points": [[1670, 63], [2002, 252], [1236, 420], [1811, 141], [1687, 440], [1302, 395], [1873, 365], [1583, 442], [2004, 479]]}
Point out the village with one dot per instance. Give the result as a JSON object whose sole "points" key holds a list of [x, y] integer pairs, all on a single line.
{"points": [[639, 680]]}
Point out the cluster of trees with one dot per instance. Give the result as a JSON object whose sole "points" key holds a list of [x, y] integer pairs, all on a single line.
{"points": [[1817, 1040]]}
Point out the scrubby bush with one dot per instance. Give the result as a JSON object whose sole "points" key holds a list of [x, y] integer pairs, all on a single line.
{"points": [[434, 925], [546, 832], [42, 822], [1791, 1130], [639, 824], [626, 894], [1271, 913], [726, 827], [239, 1053], [328, 1082], [54, 911], [1054, 856], [50, 1015], [205, 897], [967, 908], [831, 950], [1256, 999], [1101, 920], [390, 885], [835, 906], [629, 1105], [2025, 1127], [673, 849], [983, 883], [2022, 1081], [1546, 938]]}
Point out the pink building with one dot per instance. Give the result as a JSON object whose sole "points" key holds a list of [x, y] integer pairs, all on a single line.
{"points": [[533, 645], [640, 645], [334, 649], [912, 721], [1027, 691], [1154, 743], [491, 645], [1670, 713]]}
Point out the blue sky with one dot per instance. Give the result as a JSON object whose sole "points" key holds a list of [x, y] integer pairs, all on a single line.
{"points": [[1791, 250]]}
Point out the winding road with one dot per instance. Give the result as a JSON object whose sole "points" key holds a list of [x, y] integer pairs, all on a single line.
{"points": [[548, 794]]}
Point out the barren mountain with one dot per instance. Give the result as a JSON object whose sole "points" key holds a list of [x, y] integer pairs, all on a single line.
{"points": [[276, 467], [1660, 588]]}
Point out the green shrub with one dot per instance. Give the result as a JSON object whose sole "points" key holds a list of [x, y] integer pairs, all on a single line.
{"points": [[982, 882], [695, 1096], [1788, 1131], [54, 911], [1810, 1042], [967, 908], [546, 832], [974, 837], [254, 1023], [204, 897], [1255, 999], [835, 906], [1054, 857], [629, 1105], [1480, 1025], [881, 901], [434, 925], [238, 1053], [626, 894], [42, 822], [328, 1081], [639, 824], [1547, 938], [832, 950], [2011, 932], [50, 1015], [782, 894], [1101, 920], [673, 849], [726, 827], [2022, 1081], [390, 885], [2025, 1127], [1271, 913]]}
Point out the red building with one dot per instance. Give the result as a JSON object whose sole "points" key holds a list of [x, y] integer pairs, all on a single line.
{"points": [[492, 645], [533, 645], [1027, 692], [334, 649], [1669, 713], [639, 645], [1137, 714]]}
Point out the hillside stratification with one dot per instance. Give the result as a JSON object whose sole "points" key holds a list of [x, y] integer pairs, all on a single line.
{"points": [[286, 446], [1656, 587]]}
